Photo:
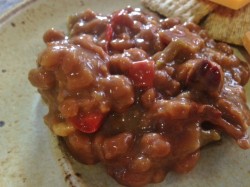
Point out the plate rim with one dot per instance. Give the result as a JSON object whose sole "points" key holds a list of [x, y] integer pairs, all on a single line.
{"points": [[14, 10]]}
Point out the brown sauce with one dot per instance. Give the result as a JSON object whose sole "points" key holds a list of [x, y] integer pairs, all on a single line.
{"points": [[140, 94]]}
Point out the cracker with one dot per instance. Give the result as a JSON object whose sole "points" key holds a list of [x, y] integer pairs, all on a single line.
{"points": [[186, 10], [228, 25]]}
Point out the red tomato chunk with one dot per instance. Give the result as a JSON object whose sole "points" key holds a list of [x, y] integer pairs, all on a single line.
{"points": [[142, 73], [87, 123]]}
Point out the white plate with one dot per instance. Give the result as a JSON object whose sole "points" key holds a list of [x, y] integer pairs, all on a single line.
{"points": [[29, 154]]}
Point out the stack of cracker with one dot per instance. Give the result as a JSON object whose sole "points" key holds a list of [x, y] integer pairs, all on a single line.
{"points": [[186, 10], [221, 23], [228, 25]]}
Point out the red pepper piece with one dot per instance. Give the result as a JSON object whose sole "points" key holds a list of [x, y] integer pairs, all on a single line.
{"points": [[109, 33], [142, 73], [87, 123], [108, 36]]}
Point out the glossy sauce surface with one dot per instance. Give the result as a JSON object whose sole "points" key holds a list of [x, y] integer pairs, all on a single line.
{"points": [[140, 94]]}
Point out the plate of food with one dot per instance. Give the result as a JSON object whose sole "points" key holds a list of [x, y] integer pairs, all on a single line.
{"points": [[125, 93]]}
